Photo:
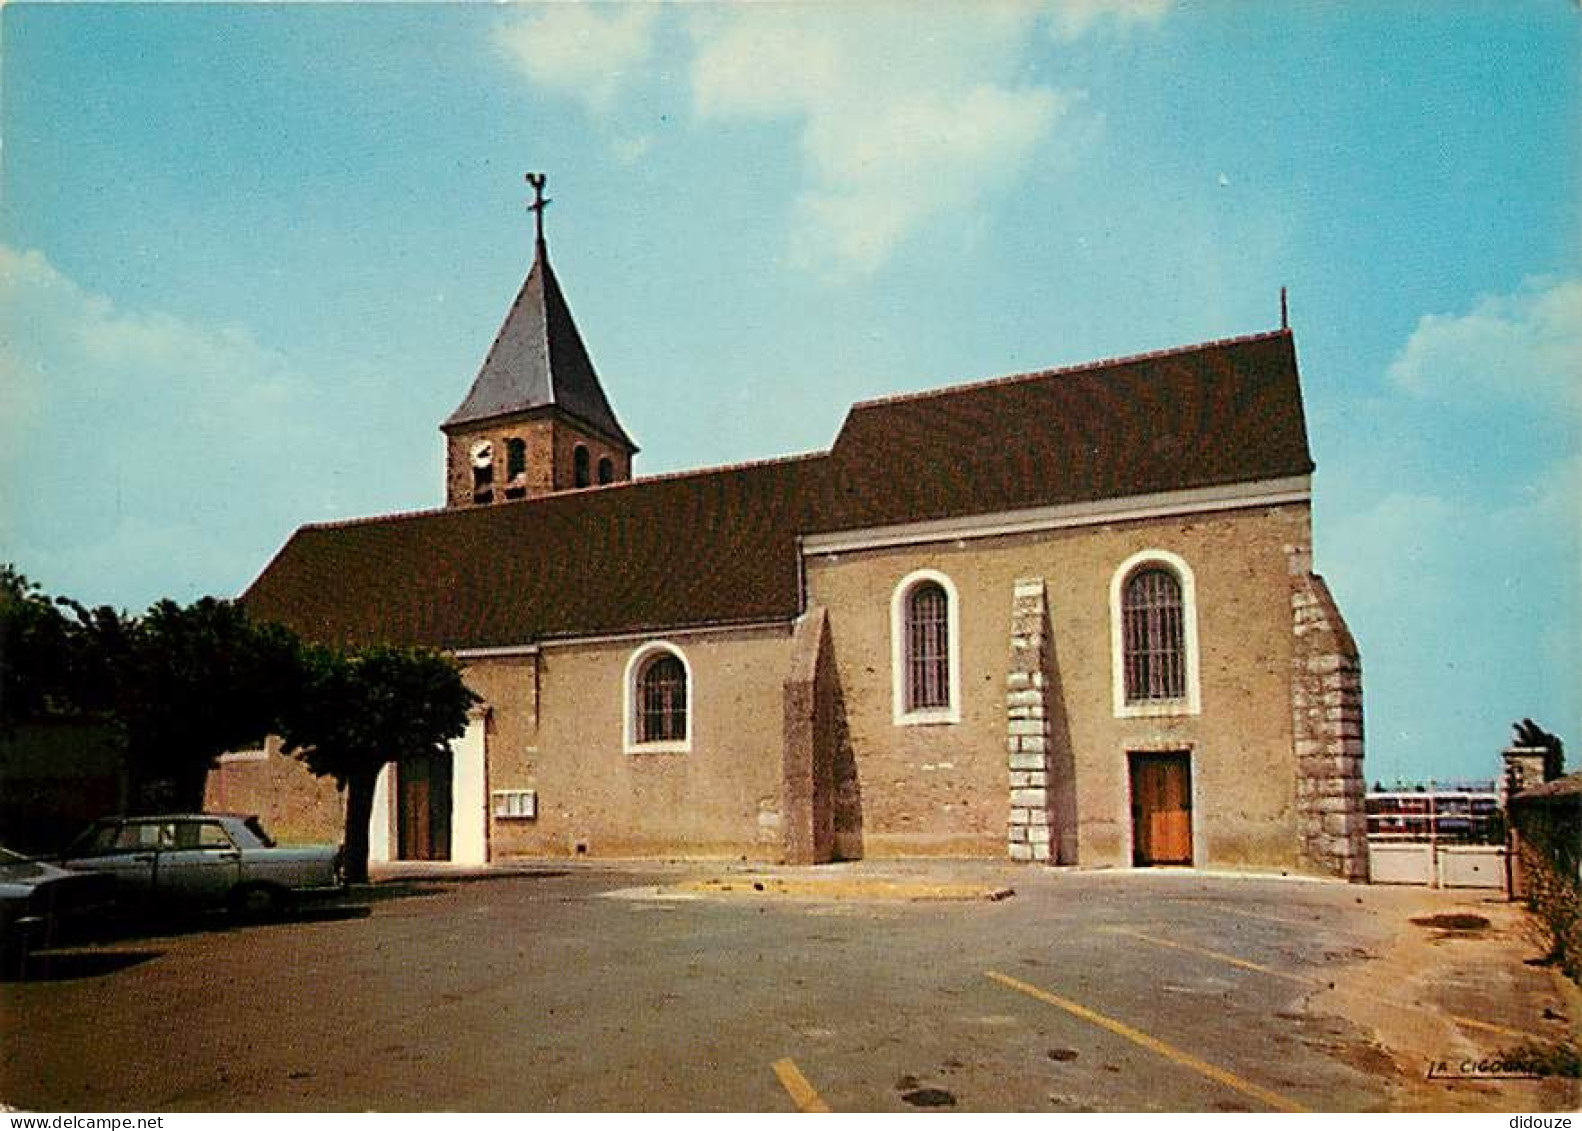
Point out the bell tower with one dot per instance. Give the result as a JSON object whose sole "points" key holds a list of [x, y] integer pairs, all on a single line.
{"points": [[536, 419]]}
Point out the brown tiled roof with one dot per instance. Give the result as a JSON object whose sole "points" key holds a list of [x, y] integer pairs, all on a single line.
{"points": [[538, 361], [1220, 413], [716, 547], [719, 546]]}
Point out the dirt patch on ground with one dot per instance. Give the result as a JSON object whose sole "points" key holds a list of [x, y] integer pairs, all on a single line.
{"points": [[1454, 922], [1448, 991]]}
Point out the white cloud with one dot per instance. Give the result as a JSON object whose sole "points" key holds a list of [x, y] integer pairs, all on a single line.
{"points": [[585, 52], [1072, 19], [146, 428], [882, 178], [631, 150], [1455, 539], [906, 112], [1525, 347], [1464, 607]]}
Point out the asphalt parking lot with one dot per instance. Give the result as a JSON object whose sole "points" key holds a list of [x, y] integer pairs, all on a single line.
{"points": [[865, 988]]}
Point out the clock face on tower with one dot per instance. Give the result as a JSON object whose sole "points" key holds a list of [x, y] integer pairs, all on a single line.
{"points": [[482, 453]]}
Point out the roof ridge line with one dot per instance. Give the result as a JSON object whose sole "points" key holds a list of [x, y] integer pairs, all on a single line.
{"points": [[371, 519], [429, 512], [714, 469], [1062, 370]]}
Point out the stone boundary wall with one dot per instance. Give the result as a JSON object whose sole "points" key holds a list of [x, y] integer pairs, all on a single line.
{"points": [[1327, 730]]}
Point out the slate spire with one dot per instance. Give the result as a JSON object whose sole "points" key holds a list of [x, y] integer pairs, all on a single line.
{"points": [[538, 360]]}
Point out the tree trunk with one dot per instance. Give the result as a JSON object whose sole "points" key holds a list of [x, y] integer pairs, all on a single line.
{"points": [[359, 812]]}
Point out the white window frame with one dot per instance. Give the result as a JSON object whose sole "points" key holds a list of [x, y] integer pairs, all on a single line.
{"points": [[1192, 702], [632, 700], [930, 716]]}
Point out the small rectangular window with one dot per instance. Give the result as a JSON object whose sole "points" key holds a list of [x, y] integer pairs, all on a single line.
{"points": [[516, 804]]}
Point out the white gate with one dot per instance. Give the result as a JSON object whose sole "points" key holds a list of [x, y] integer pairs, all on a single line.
{"points": [[1444, 865]]}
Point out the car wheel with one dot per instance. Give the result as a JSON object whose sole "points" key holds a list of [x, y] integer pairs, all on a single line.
{"points": [[255, 901]]}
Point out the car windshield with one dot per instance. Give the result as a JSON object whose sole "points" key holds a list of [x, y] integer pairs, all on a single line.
{"points": [[94, 837]]}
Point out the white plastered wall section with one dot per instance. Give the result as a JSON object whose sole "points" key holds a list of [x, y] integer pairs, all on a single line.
{"points": [[469, 804]]}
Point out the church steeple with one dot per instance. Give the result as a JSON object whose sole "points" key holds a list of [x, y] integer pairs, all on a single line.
{"points": [[536, 418]]}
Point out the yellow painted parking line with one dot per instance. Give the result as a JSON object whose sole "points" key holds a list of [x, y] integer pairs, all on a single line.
{"points": [[1221, 909], [1317, 983], [1220, 956], [1153, 1044], [802, 1093]]}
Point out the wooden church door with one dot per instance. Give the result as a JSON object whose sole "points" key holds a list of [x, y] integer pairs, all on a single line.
{"points": [[1161, 809], [424, 787]]}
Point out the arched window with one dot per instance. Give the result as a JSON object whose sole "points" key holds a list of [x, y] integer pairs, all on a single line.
{"points": [[925, 649], [579, 465], [1154, 629], [658, 699], [606, 470], [1154, 639], [662, 716]]}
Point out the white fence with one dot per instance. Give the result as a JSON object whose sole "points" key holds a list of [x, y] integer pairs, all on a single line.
{"points": [[1444, 865]]}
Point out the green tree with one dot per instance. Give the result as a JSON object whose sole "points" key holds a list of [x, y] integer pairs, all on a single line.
{"points": [[35, 646], [358, 710], [185, 684], [52, 665]]}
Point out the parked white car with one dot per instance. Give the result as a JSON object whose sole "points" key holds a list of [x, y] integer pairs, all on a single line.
{"points": [[195, 860]]}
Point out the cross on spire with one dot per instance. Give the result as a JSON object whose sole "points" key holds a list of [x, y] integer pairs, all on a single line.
{"points": [[540, 202]]}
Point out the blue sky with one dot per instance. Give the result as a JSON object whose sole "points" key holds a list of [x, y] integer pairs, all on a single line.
{"points": [[251, 255]]}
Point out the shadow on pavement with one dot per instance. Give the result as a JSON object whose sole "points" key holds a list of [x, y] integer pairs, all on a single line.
{"points": [[65, 966], [91, 950]]}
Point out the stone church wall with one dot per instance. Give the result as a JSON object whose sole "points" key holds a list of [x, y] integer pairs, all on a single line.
{"points": [[549, 457], [295, 806], [944, 789], [722, 798]]}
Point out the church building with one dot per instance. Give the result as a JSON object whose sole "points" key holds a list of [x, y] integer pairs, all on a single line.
{"points": [[1066, 616]]}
